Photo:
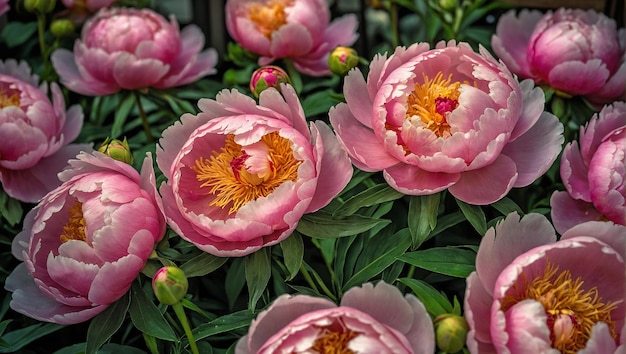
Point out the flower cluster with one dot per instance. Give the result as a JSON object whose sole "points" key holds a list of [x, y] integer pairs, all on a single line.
{"points": [[439, 188]]}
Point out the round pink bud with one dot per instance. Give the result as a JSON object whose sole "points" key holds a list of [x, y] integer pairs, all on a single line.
{"points": [[267, 76], [342, 59], [170, 285]]}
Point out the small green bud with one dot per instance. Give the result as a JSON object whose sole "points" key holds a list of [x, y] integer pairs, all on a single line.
{"points": [[267, 76], [342, 59], [448, 5], [42, 6], [170, 285], [451, 332], [118, 150], [62, 28]]}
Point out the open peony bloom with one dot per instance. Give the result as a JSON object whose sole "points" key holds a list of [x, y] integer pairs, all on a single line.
{"points": [[241, 175], [370, 319], [594, 173], [86, 241], [127, 48], [447, 117], [550, 47], [35, 133], [532, 294], [295, 29]]}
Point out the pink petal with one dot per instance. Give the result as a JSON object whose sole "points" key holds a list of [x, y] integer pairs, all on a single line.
{"points": [[527, 329], [411, 180], [488, 184], [600, 340], [590, 76], [357, 97], [291, 40], [133, 73], [477, 305], [567, 212]]}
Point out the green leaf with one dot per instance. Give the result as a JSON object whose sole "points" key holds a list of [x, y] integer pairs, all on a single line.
{"points": [[452, 261], [293, 251], [377, 194], [447, 221], [422, 217], [506, 206], [16, 33], [258, 273], [24, 336], [323, 225], [104, 325], [121, 114], [234, 281], [202, 264], [318, 103], [147, 317], [109, 348], [386, 253], [435, 302], [11, 209], [226, 323], [475, 215]]}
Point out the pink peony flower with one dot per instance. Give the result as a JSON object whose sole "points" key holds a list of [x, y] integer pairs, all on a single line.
{"points": [[124, 48], [370, 319], [446, 118], [241, 175], [35, 133], [295, 29], [86, 241], [549, 47], [532, 294], [594, 174], [4, 7]]}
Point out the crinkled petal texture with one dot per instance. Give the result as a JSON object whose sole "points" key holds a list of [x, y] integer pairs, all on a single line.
{"points": [[593, 172], [241, 175], [35, 133], [86, 241], [549, 47], [299, 30], [127, 48], [370, 319], [447, 118], [531, 293]]}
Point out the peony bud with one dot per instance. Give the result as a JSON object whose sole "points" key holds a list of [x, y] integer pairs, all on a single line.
{"points": [[342, 59], [42, 6], [267, 76], [118, 150], [451, 332], [62, 28], [170, 285], [448, 5]]}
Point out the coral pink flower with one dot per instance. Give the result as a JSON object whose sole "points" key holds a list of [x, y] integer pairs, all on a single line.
{"points": [[35, 133], [132, 49], [549, 47], [370, 319], [594, 174], [295, 29], [86, 241], [533, 294], [446, 118], [240, 175]]}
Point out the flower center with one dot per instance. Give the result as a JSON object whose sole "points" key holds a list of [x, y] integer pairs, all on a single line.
{"points": [[9, 97], [268, 16], [571, 310], [333, 340], [74, 229], [432, 101], [237, 175]]}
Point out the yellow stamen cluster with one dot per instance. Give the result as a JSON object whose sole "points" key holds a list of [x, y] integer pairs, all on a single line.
{"points": [[233, 186], [333, 342], [432, 100], [268, 16], [75, 228], [564, 298], [9, 99]]}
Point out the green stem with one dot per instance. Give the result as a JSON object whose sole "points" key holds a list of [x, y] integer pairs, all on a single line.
{"points": [[307, 277], [180, 313], [294, 75], [393, 18], [144, 117], [41, 30]]}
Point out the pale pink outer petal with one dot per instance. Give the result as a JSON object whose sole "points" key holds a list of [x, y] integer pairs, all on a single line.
{"points": [[288, 105], [567, 212], [20, 70], [133, 73], [527, 329], [334, 169], [477, 306], [612, 234], [358, 97], [411, 180], [512, 37], [590, 76], [612, 90], [574, 172], [600, 340], [65, 65], [73, 123], [172, 140], [291, 40], [533, 103]]}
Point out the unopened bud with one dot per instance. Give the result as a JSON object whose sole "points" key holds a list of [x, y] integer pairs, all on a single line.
{"points": [[41, 6], [451, 332], [62, 28], [342, 59], [448, 5], [118, 150], [267, 76], [170, 285]]}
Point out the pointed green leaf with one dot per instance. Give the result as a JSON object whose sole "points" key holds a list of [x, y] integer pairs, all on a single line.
{"points": [[226, 323], [147, 317], [452, 261], [474, 215], [435, 302], [258, 272], [377, 194], [293, 251], [18, 339], [506, 206], [202, 264], [322, 225], [422, 217], [121, 114], [104, 325]]}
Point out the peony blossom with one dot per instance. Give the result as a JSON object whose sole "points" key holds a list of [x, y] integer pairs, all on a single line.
{"points": [[35, 132], [594, 173], [86, 241], [370, 319], [295, 29], [448, 117], [126, 48], [241, 175], [532, 294], [4, 7], [549, 47]]}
